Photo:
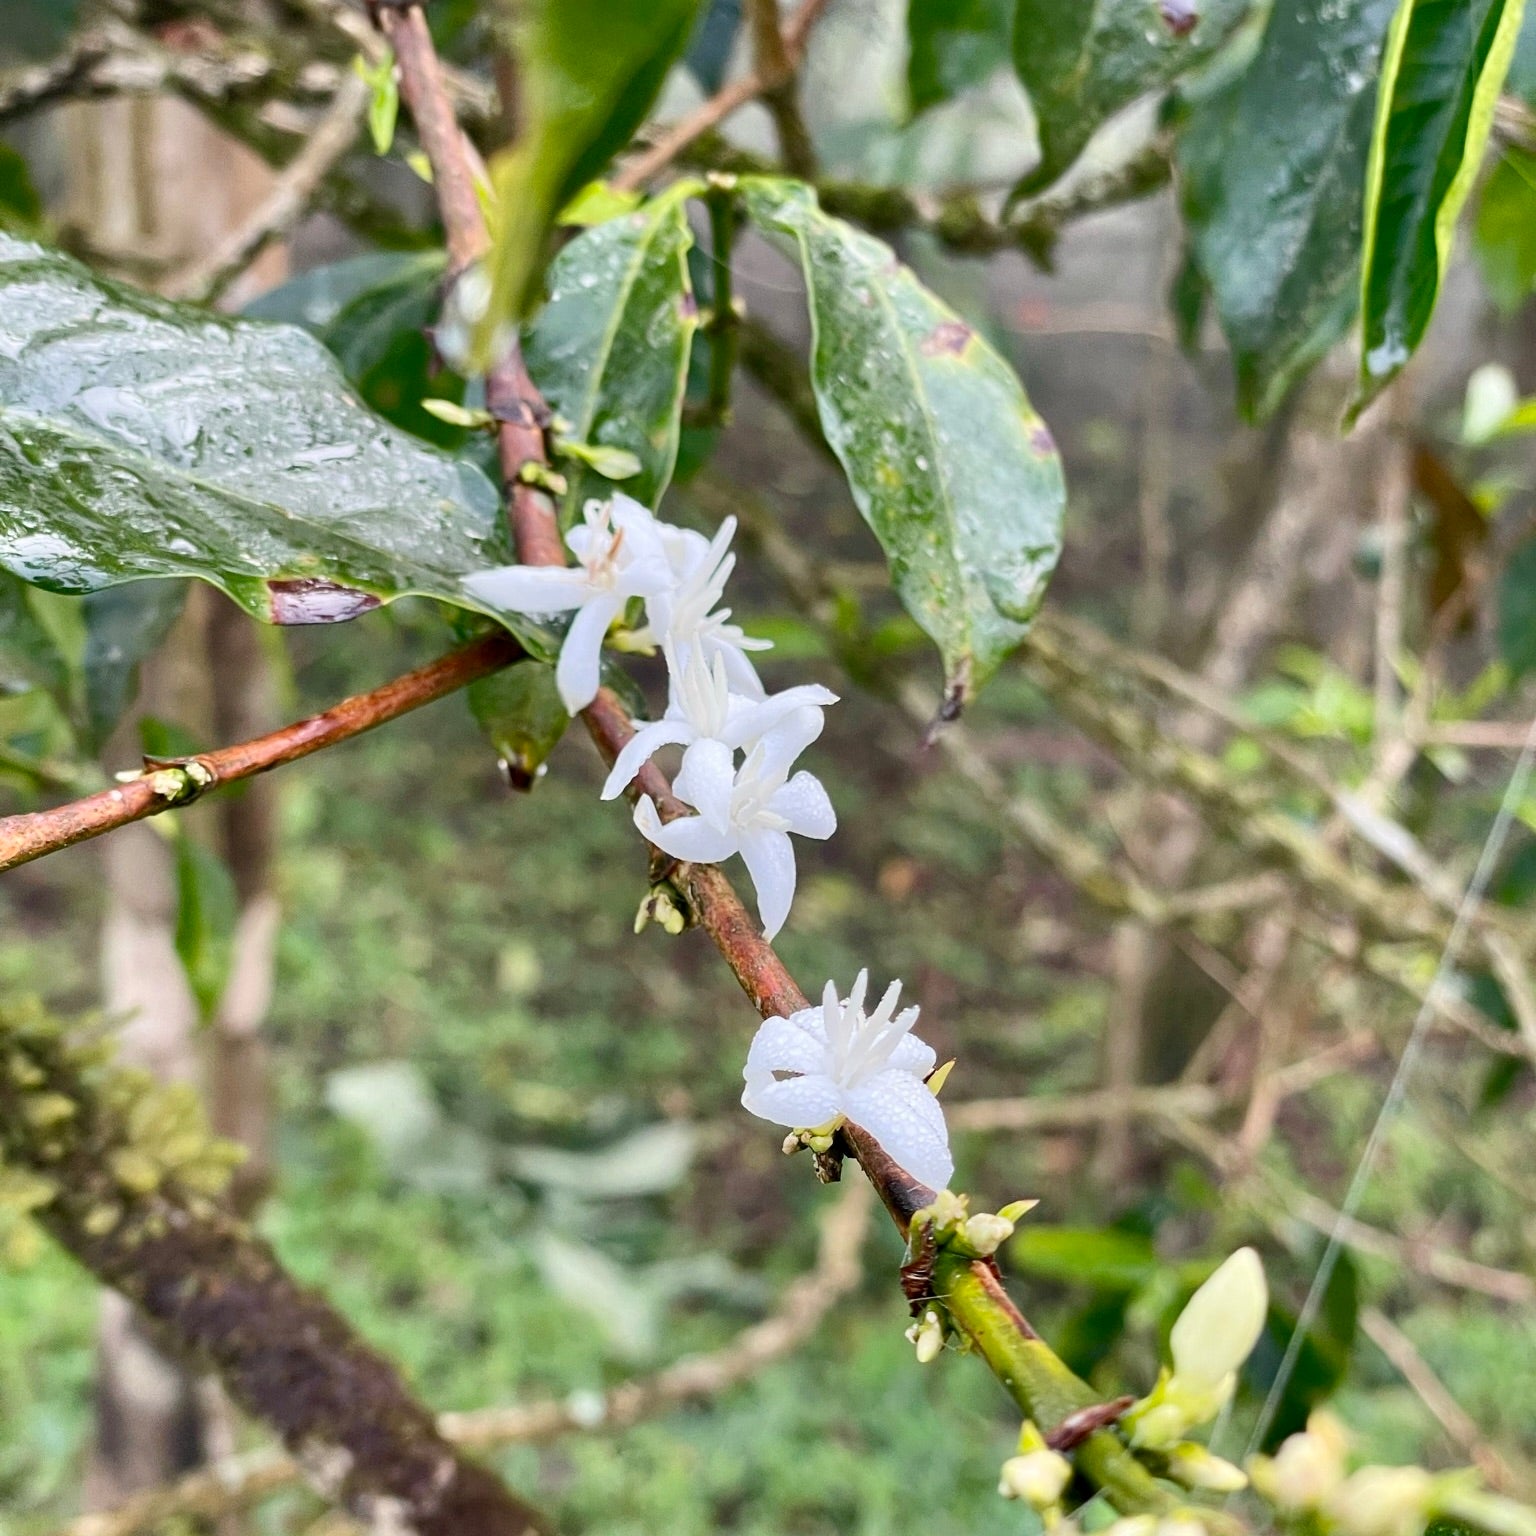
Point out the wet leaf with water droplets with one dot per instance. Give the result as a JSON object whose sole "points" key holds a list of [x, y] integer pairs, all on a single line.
{"points": [[947, 460], [1082, 63], [140, 438], [1272, 168], [609, 351], [1441, 72]]}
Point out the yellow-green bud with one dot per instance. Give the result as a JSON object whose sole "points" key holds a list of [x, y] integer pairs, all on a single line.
{"points": [[1382, 1501], [135, 1171], [1038, 1478], [1132, 1525], [1016, 1209], [984, 1233], [1192, 1466], [1216, 1331], [45, 1110], [1306, 1469], [928, 1336]]}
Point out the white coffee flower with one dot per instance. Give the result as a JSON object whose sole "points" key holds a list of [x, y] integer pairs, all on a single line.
{"points": [[822, 1065], [621, 556], [1216, 1331], [701, 706], [681, 611], [749, 810]]}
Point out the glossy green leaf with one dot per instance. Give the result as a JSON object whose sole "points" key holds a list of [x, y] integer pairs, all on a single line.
{"points": [[1082, 63], [206, 911], [520, 711], [1441, 72], [588, 73], [1272, 167], [140, 438], [947, 460], [1505, 230], [1106, 1258], [609, 350], [954, 45]]}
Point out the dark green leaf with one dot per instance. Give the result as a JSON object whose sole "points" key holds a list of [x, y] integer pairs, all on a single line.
{"points": [[953, 45], [1505, 231], [588, 73], [375, 313], [1517, 610], [122, 626], [948, 462], [1082, 63], [519, 710], [36, 28], [1106, 1258], [1441, 72], [1272, 168], [609, 351], [206, 911], [140, 438]]}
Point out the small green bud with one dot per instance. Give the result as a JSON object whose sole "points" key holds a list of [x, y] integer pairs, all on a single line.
{"points": [[134, 1171], [1306, 1469], [1015, 1209], [44, 1110], [984, 1233], [928, 1336], [100, 1220]]}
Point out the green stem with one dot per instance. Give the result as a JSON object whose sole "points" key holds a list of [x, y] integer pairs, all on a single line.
{"points": [[1040, 1382]]}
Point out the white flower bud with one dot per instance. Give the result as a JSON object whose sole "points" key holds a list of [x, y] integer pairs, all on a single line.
{"points": [[1181, 1525], [985, 1232], [1132, 1525], [928, 1336], [1382, 1501], [1216, 1331], [1192, 1466], [1306, 1469], [1039, 1478]]}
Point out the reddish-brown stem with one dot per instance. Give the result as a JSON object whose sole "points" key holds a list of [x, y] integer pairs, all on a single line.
{"points": [[30, 836]]}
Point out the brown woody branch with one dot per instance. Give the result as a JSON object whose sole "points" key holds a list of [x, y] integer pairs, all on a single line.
{"points": [[237, 1485], [164, 786], [125, 1176]]}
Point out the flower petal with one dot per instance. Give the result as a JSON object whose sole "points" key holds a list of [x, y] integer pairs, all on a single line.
{"points": [[770, 859], [530, 588], [706, 779], [787, 1045], [780, 747], [794, 1101], [647, 741], [751, 719], [689, 838], [897, 1109], [742, 674], [579, 670], [803, 803], [910, 1054]]}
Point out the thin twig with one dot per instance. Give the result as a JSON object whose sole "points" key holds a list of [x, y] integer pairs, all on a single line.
{"points": [[773, 66], [163, 787], [234, 1485], [292, 196], [670, 144]]}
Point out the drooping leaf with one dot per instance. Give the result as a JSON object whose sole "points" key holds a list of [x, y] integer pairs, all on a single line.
{"points": [[609, 350], [954, 45], [521, 713], [122, 626], [948, 462], [588, 72], [1441, 72], [1505, 231], [1082, 63], [206, 912], [140, 438], [1272, 167]]}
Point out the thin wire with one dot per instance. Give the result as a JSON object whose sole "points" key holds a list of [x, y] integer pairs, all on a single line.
{"points": [[1392, 1105]]}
